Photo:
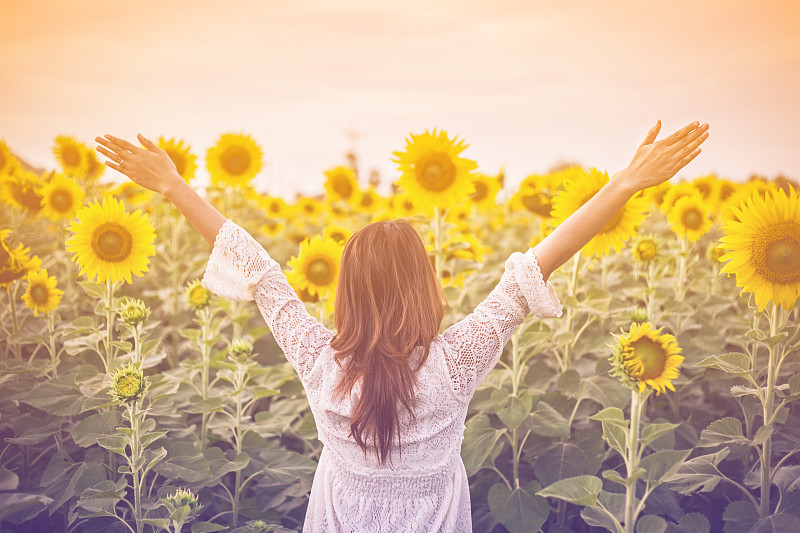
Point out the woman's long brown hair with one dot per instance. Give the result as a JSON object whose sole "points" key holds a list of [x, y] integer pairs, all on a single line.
{"points": [[388, 302]]}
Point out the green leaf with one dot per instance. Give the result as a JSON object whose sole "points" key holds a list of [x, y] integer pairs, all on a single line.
{"points": [[60, 478], [663, 464], [699, 474], [99, 425], [726, 430], [561, 460], [208, 527], [775, 340], [56, 398], [548, 422], [185, 462], [690, 523], [734, 363], [740, 517], [520, 510], [652, 432], [94, 290], [205, 406], [611, 415], [115, 443], [761, 436], [480, 438], [285, 466], [604, 390], [651, 523], [794, 384], [8, 479], [512, 410], [18, 507], [613, 476], [190, 333], [581, 490]]}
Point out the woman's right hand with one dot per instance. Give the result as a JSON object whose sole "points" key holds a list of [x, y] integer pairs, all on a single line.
{"points": [[151, 168], [656, 162]]}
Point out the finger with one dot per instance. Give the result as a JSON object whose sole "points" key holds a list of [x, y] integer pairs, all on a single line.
{"points": [[685, 148], [697, 132], [113, 165], [685, 161], [123, 144], [680, 133], [147, 143], [652, 134], [111, 155]]}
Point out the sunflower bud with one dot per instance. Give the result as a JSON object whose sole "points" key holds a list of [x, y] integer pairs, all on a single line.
{"points": [[241, 347], [128, 384], [714, 252], [196, 295], [645, 249], [259, 526], [133, 311], [182, 498], [640, 315]]}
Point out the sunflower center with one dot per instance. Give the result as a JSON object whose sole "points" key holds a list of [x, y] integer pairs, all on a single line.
{"points": [[26, 196], [408, 205], [71, 156], [726, 190], [112, 242], [235, 160], [320, 272], [436, 172], [776, 253], [39, 294], [128, 386], [178, 159], [342, 186], [481, 190], [338, 236], [366, 200], [2, 159], [646, 250], [274, 207], [61, 200], [704, 188], [692, 218], [652, 356], [537, 203], [311, 208]]}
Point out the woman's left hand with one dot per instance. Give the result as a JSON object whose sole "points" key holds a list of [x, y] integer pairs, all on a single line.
{"points": [[151, 168]]}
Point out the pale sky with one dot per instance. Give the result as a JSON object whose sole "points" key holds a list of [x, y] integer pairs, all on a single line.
{"points": [[526, 83]]}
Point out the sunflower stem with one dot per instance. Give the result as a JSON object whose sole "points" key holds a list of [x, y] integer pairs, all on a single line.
{"points": [[205, 351], [632, 461], [769, 405], [11, 296], [437, 237], [109, 323], [651, 291], [51, 336]]}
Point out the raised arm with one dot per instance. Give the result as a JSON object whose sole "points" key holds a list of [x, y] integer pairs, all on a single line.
{"points": [[153, 169], [653, 163]]}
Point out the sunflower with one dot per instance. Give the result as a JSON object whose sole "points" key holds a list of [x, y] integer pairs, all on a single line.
{"points": [[689, 217], [614, 234], [272, 227], [536, 201], [42, 294], [744, 191], [307, 207], [726, 189], [655, 194], [763, 247], [94, 168], [486, 189], [128, 384], [275, 207], [403, 205], [474, 251], [71, 155], [317, 265], [132, 193], [710, 188], [234, 160], [337, 233], [22, 190], [645, 357], [673, 193], [10, 267], [295, 280], [110, 243], [432, 171], [185, 161], [368, 201], [196, 295], [7, 160], [340, 183], [645, 248], [61, 198]]}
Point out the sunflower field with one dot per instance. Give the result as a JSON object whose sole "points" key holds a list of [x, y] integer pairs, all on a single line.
{"points": [[662, 400]]}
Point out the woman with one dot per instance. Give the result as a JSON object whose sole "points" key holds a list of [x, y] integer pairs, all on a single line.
{"points": [[388, 393]]}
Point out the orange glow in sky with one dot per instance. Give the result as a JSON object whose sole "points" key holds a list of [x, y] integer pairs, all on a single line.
{"points": [[527, 84]]}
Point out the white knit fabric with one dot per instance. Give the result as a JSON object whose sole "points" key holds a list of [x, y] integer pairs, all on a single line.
{"points": [[425, 488]]}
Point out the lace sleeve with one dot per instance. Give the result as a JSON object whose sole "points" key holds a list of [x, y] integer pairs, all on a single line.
{"points": [[475, 343], [241, 269]]}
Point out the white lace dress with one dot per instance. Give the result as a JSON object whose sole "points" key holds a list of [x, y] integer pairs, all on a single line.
{"points": [[425, 489]]}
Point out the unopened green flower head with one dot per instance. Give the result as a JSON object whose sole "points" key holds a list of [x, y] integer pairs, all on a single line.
{"points": [[240, 347], [714, 252], [640, 315], [260, 526], [183, 497], [128, 383], [645, 248], [133, 311], [196, 295]]}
